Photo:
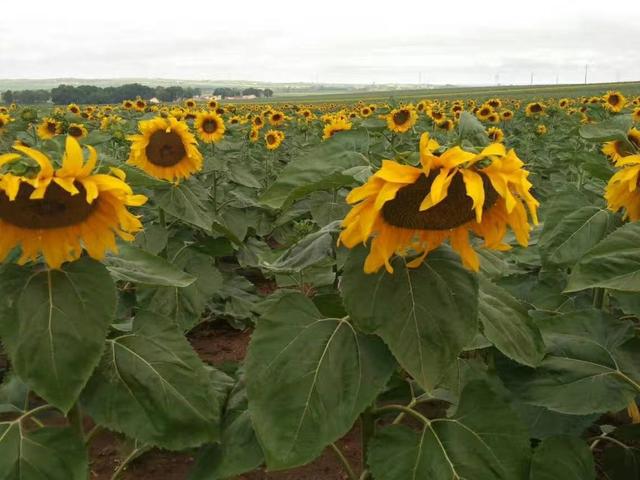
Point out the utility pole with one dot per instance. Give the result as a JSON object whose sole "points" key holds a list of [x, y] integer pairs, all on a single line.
{"points": [[586, 69]]}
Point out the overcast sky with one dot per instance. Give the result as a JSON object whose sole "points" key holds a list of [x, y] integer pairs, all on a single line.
{"points": [[329, 41]]}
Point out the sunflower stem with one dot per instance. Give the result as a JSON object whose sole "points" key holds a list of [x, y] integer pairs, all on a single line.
{"points": [[367, 431], [598, 298], [345, 463], [75, 420]]}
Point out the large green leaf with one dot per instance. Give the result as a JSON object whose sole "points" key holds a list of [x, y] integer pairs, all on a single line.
{"points": [[185, 305], [426, 315], [308, 379], [326, 207], [135, 265], [323, 167], [56, 333], [591, 366], [614, 128], [238, 451], [483, 440], [471, 130], [613, 263], [576, 233], [43, 454], [563, 457], [188, 202], [152, 386], [506, 324]]}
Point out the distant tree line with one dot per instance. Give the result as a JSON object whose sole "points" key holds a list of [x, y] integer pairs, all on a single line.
{"points": [[226, 92], [88, 94]]}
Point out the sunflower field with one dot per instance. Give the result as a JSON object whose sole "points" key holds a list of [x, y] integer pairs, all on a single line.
{"points": [[451, 285]]}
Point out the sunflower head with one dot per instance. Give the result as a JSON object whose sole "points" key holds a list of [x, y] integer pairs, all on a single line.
{"points": [[614, 101], [165, 148], [410, 211], [534, 109], [277, 118], [5, 119], [445, 124], [254, 135], [541, 129], [77, 130], [616, 150], [210, 127], [73, 108], [273, 139], [335, 125], [49, 128], [402, 119], [496, 135], [622, 192], [58, 213]]}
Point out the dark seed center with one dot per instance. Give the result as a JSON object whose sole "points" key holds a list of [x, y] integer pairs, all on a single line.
{"points": [[401, 117], [535, 108], [57, 209], [51, 127], [210, 125], [455, 210], [614, 99], [75, 132], [165, 149], [271, 139]]}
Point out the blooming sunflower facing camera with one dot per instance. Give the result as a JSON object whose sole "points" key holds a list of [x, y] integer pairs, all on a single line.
{"points": [[273, 139], [614, 101], [618, 149], [165, 148], [49, 128], [335, 125], [210, 127], [60, 212], [402, 119], [415, 209]]}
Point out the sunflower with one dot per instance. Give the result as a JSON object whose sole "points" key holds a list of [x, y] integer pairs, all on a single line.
{"points": [[277, 118], [506, 115], [191, 103], [496, 135], [257, 121], [401, 119], [165, 148], [213, 104], [494, 103], [635, 116], [273, 139], [335, 125], [484, 112], [235, 120], [49, 128], [4, 120], [127, 104], [254, 135], [541, 129], [408, 209], [446, 124], [622, 190], [77, 130], [61, 212], [534, 109], [210, 127], [140, 105], [614, 101], [564, 102], [73, 108], [618, 149]]}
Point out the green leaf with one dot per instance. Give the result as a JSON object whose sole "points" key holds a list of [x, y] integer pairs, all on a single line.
{"points": [[506, 324], [308, 380], [326, 207], [576, 233], [613, 263], [187, 202], [591, 365], [321, 168], [621, 463], [135, 265], [613, 129], [543, 423], [425, 315], [240, 174], [483, 440], [185, 305], [238, 451], [152, 386], [14, 395], [315, 248], [55, 336], [46, 453], [153, 238], [471, 130], [566, 458]]}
